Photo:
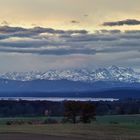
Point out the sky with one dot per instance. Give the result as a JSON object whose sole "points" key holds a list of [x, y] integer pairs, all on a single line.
{"points": [[66, 34]]}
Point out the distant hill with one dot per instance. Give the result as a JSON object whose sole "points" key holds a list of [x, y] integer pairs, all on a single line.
{"points": [[111, 82], [66, 88]]}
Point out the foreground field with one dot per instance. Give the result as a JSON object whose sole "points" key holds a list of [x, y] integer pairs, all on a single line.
{"points": [[23, 136], [105, 128]]}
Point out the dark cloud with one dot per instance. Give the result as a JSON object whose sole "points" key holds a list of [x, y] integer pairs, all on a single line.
{"points": [[109, 31], [129, 22], [75, 22], [8, 29], [49, 52], [48, 41], [8, 32], [37, 30]]}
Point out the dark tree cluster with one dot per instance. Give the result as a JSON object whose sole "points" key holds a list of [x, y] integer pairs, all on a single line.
{"points": [[80, 110], [121, 107], [84, 110], [23, 108]]}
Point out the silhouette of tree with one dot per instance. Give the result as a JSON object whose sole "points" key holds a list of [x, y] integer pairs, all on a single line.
{"points": [[72, 110], [87, 112], [84, 110]]}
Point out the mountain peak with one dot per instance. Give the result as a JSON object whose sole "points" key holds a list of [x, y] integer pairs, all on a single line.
{"points": [[112, 73]]}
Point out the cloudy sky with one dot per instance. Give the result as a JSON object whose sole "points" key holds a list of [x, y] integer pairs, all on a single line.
{"points": [[65, 34]]}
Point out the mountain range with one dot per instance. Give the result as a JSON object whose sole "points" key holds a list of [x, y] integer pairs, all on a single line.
{"points": [[113, 82], [112, 73]]}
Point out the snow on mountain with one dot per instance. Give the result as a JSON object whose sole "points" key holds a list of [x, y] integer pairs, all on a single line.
{"points": [[112, 73]]}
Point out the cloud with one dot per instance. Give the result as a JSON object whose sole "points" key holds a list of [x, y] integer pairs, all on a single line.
{"points": [[108, 31], [5, 23], [75, 22], [48, 41], [129, 22], [37, 30], [45, 51], [51, 48]]}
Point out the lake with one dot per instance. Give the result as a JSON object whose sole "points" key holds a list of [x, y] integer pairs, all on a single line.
{"points": [[57, 99]]}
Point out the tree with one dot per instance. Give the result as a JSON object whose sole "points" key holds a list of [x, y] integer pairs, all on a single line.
{"points": [[72, 109], [87, 112], [84, 110]]}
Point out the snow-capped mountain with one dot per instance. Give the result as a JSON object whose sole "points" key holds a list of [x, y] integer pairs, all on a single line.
{"points": [[112, 73], [111, 82]]}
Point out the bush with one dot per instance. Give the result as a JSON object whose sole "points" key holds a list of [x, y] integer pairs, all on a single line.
{"points": [[8, 123]]}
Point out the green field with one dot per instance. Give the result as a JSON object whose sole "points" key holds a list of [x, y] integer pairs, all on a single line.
{"points": [[105, 128], [119, 119]]}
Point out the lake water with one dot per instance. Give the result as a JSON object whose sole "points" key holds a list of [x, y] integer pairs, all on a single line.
{"points": [[57, 99]]}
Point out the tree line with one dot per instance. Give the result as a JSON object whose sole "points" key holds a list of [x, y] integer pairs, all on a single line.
{"points": [[82, 110]]}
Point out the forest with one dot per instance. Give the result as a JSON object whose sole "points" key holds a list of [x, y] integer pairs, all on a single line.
{"points": [[22, 108]]}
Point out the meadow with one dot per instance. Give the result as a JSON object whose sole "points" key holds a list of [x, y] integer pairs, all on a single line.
{"points": [[126, 127]]}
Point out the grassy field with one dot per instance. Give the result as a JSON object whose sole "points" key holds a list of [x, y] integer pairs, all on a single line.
{"points": [[119, 118], [105, 128]]}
